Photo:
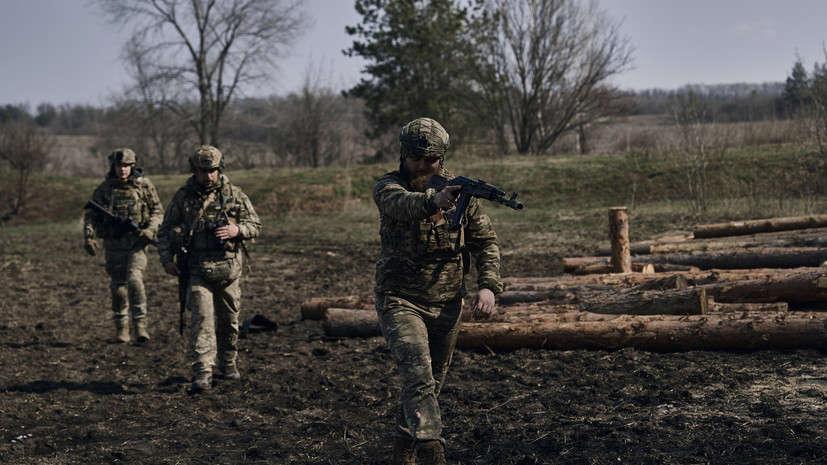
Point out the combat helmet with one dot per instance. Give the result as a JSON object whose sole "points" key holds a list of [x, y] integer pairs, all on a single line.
{"points": [[123, 156], [423, 137], [206, 157]]}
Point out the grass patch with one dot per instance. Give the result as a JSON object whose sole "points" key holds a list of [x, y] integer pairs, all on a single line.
{"points": [[566, 198]]}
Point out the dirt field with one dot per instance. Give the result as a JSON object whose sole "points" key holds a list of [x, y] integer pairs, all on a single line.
{"points": [[68, 395]]}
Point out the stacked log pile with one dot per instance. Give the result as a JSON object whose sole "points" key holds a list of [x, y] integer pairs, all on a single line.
{"points": [[767, 290]]}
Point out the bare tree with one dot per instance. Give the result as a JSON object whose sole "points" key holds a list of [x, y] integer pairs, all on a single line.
{"points": [[206, 50], [700, 145], [318, 127], [545, 68], [23, 148]]}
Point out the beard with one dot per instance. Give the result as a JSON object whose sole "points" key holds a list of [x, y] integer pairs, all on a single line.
{"points": [[418, 183]]}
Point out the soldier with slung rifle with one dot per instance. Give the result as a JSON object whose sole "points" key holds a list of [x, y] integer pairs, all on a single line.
{"points": [[209, 218], [127, 216]]}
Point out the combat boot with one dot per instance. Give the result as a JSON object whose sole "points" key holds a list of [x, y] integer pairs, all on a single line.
{"points": [[431, 453], [403, 453], [122, 333], [202, 381], [229, 372], [142, 333]]}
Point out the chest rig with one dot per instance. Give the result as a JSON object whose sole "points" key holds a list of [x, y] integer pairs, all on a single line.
{"points": [[126, 201], [216, 210]]}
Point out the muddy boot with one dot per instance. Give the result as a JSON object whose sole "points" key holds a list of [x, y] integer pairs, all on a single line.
{"points": [[230, 372], [122, 334], [431, 453], [142, 334], [202, 381], [403, 453]]}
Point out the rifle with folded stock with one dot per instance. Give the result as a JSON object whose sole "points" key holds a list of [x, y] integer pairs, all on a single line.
{"points": [[119, 225], [472, 188]]}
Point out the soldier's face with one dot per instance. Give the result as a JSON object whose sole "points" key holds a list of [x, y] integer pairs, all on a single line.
{"points": [[422, 166], [207, 178], [122, 171]]}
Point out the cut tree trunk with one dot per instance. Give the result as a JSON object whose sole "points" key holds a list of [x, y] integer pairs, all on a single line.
{"points": [[561, 294], [816, 237], [804, 287], [644, 247], [620, 280], [621, 260], [717, 307], [759, 257], [691, 301], [314, 307], [738, 228], [601, 265], [703, 332]]}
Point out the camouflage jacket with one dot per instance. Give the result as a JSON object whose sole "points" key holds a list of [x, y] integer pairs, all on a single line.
{"points": [[420, 257], [136, 198], [186, 223]]}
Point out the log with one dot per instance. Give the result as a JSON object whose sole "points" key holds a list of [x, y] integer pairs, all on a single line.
{"points": [[797, 288], [801, 238], [350, 322], [621, 259], [673, 281], [314, 308], [644, 247], [691, 301], [718, 307], [815, 237], [601, 265], [759, 257], [737, 228], [560, 294], [692, 332], [619, 280], [353, 322]]}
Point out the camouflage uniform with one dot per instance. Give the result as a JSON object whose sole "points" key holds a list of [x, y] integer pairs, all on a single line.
{"points": [[126, 255], [419, 290], [214, 292]]}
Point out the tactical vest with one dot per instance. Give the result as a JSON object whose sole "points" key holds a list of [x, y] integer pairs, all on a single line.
{"points": [[428, 239], [223, 207]]}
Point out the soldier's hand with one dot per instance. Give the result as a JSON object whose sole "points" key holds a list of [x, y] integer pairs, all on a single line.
{"points": [[447, 197], [146, 236], [483, 305], [227, 232], [171, 268], [91, 246]]}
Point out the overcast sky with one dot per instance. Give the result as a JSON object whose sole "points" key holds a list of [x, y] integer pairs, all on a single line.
{"points": [[61, 51]]}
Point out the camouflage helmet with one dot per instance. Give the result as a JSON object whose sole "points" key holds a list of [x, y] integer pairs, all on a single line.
{"points": [[123, 156], [206, 157], [423, 137]]}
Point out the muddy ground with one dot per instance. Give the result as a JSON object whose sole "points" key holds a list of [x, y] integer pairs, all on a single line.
{"points": [[69, 395]]}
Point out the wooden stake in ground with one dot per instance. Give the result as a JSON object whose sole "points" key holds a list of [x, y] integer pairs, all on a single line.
{"points": [[619, 237]]}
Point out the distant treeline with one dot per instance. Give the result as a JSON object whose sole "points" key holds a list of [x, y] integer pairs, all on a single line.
{"points": [[728, 103]]}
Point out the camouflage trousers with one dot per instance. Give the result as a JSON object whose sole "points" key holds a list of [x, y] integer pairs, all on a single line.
{"points": [[421, 337], [126, 270], [214, 323]]}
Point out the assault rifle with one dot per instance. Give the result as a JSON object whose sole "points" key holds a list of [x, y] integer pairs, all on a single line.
{"points": [[182, 261], [120, 225], [472, 188]]}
